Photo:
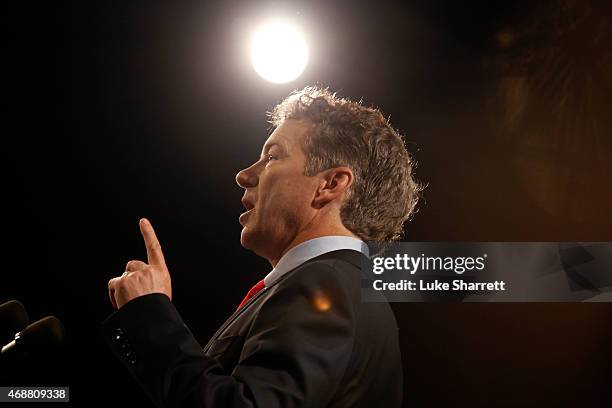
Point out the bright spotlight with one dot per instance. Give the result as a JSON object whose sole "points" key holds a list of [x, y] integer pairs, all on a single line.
{"points": [[279, 52]]}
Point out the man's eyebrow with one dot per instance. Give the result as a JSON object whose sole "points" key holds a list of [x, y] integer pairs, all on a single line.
{"points": [[269, 146]]}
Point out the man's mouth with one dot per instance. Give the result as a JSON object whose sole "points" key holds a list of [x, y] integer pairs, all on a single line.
{"points": [[249, 206], [248, 203], [243, 217]]}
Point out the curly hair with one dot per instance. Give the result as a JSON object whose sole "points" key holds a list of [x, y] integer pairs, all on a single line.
{"points": [[346, 133]]}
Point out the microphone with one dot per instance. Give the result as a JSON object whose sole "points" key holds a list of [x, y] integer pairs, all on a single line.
{"points": [[13, 318], [42, 334]]}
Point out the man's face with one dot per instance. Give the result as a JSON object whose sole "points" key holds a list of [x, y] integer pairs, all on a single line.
{"points": [[278, 195]]}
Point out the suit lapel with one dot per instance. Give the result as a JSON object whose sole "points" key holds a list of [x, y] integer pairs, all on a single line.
{"points": [[351, 256], [233, 317]]}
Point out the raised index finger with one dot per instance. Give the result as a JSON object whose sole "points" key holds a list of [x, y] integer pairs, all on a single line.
{"points": [[154, 253]]}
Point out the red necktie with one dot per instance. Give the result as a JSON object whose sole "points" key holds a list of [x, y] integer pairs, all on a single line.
{"points": [[254, 290]]}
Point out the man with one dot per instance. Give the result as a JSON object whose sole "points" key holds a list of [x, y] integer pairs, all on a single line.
{"points": [[332, 175]]}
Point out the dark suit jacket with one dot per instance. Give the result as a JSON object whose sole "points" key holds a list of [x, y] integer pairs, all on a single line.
{"points": [[306, 341]]}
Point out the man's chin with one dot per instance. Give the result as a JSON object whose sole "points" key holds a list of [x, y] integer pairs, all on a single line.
{"points": [[243, 240], [246, 238], [251, 240]]}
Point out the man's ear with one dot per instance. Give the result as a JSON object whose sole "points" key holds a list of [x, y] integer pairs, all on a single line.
{"points": [[332, 186]]}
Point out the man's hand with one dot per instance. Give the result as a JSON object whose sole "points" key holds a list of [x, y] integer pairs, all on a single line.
{"points": [[141, 278]]}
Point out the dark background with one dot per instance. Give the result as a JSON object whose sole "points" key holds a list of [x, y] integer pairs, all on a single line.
{"points": [[151, 108]]}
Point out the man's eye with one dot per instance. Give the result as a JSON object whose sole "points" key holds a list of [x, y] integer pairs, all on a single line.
{"points": [[271, 157]]}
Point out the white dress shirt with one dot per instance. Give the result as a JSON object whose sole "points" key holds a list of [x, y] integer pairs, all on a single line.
{"points": [[311, 249]]}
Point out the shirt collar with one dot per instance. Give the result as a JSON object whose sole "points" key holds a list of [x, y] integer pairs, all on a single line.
{"points": [[311, 249]]}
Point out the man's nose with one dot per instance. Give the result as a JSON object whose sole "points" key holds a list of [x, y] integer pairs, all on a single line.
{"points": [[247, 177]]}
